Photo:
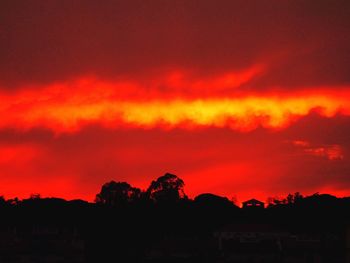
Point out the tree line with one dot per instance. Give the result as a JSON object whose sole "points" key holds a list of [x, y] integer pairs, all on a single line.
{"points": [[168, 189], [125, 222]]}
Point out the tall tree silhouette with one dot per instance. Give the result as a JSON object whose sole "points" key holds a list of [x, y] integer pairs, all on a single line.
{"points": [[167, 188], [117, 193]]}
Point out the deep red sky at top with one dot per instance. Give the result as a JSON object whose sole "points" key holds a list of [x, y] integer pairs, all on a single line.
{"points": [[238, 98]]}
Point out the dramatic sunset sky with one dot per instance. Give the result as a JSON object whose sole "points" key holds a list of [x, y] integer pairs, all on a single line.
{"points": [[238, 98]]}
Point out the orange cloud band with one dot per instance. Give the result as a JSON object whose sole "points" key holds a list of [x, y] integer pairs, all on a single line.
{"points": [[65, 108]]}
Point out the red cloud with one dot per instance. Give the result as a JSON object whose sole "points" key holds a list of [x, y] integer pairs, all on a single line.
{"points": [[69, 106], [331, 152]]}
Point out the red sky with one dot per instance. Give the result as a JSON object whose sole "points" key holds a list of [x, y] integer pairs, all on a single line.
{"points": [[238, 98]]}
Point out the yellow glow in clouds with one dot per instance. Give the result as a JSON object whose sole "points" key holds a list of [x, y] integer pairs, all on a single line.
{"points": [[63, 111], [241, 114]]}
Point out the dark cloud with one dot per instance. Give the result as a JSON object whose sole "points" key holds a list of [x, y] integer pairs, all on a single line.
{"points": [[302, 42]]}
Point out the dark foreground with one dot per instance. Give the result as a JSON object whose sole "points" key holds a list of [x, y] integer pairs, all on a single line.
{"points": [[207, 229]]}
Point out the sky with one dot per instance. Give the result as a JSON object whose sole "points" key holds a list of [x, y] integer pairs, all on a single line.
{"points": [[238, 98]]}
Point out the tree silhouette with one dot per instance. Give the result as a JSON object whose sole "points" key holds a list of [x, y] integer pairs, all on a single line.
{"points": [[297, 197], [117, 193], [167, 188], [2, 201], [289, 200]]}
